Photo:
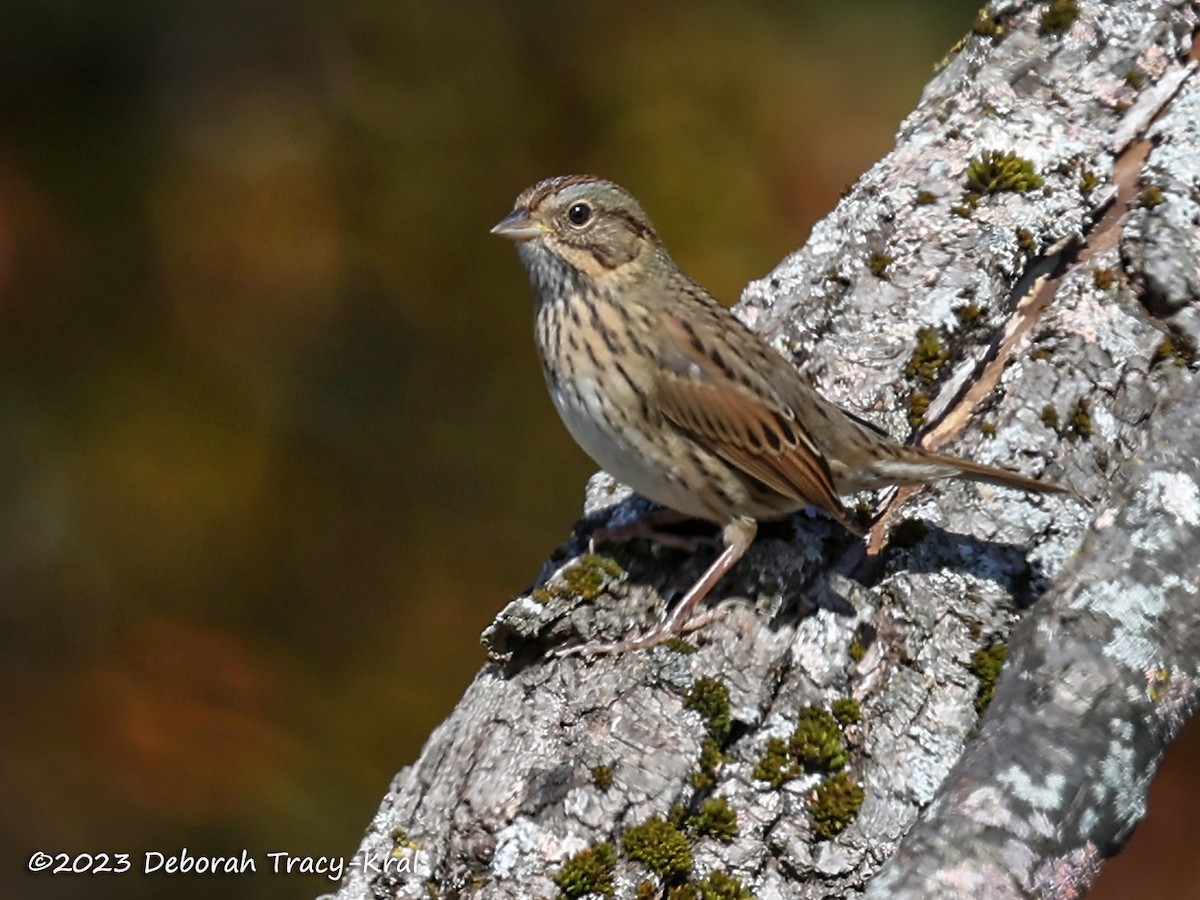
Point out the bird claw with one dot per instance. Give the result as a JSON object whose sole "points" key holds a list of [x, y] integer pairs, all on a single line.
{"points": [[666, 630]]}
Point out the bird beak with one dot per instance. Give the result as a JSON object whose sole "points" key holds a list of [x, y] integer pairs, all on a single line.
{"points": [[518, 226]]}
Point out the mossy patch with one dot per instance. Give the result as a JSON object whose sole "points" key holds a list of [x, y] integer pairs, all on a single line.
{"points": [[986, 664], [847, 711], [985, 25], [720, 885], [660, 847], [1059, 17], [602, 777], [1026, 243], [711, 757], [927, 357], [586, 579], [680, 645], [815, 745], [1151, 197], [715, 818], [1079, 425], [834, 805], [856, 651], [864, 636], [878, 262], [1160, 686], [969, 313], [1177, 348], [710, 698], [996, 172], [590, 871], [817, 741], [1050, 416], [401, 841]]}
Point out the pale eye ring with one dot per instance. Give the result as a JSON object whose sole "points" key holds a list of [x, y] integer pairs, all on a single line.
{"points": [[579, 214]]}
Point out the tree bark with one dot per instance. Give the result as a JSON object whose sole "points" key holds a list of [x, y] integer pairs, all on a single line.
{"points": [[1021, 277]]}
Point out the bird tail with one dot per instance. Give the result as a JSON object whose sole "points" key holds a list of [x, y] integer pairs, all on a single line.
{"points": [[911, 466]]}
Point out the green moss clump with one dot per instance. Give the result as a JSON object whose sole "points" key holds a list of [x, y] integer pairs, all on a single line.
{"points": [[1102, 279], [1080, 423], [928, 357], [1059, 17], [1025, 241], [1088, 182], [590, 871], [710, 698], [993, 172], [986, 664], [925, 198], [680, 645], [816, 744], [1135, 78], [1177, 347], [986, 26], [401, 841], [776, 766], [646, 890], [660, 847], [847, 711], [987, 429], [856, 651], [877, 263], [1159, 686], [1050, 416], [588, 576], [1151, 197], [721, 885], [602, 777], [834, 805], [969, 313], [864, 637], [711, 757], [715, 818]]}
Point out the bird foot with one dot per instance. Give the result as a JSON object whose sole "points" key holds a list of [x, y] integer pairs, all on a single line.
{"points": [[664, 631], [737, 537]]}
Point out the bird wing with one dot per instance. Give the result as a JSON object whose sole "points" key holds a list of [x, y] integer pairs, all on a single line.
{"points": [[716, 385]]}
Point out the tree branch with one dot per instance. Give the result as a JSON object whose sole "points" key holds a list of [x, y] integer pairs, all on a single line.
{"points": [[1021, 276]]}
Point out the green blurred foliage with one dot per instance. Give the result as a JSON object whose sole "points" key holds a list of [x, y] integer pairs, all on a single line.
{"points": [[273, 441]]}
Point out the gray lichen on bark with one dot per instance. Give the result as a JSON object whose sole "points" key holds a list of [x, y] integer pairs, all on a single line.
{"points": [[1048, 326]]}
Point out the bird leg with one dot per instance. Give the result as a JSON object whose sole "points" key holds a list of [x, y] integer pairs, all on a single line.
{"points": [[737, 537]]}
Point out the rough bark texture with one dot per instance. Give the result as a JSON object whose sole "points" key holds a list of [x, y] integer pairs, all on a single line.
{"points": [[1049, 327]]}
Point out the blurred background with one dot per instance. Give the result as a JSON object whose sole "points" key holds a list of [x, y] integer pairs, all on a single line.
{"points": [[274, 446]]}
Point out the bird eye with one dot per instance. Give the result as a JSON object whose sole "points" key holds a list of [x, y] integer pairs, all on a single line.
{"points": [[579, 214]]}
